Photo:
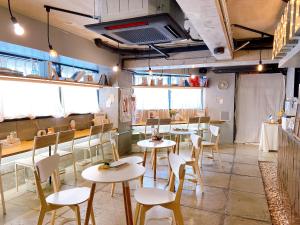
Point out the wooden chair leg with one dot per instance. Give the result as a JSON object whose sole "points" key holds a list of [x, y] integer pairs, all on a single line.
{"points": [[199, 178], [41, 216], [93, 216], [52, 222], [77, 211], [178, 215], [16, 177], [219, 155], [2, 196], [112, 191], [137, 213], [142, 215], [201, 155], [154, 163], [74, 166]]}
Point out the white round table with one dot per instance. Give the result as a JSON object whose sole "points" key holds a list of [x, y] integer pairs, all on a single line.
{"points": [[154, 146], [179, 133], [123, 175]]}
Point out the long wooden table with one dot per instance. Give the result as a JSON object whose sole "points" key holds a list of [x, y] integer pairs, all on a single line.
{"points": [[180, 122], [26, 146]]}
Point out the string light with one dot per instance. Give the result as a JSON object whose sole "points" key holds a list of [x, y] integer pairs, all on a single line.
{"points": [[116, 67]]}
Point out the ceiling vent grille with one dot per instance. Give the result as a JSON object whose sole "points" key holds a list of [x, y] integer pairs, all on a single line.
{"points": [[153, 29]]}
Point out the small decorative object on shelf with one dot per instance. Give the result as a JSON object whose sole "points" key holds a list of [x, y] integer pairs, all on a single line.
{"points": [[103, 80], [155, 135], [204, 81], [194, 81], [172, 113], [186, 83], [160, 81], [152, 82]]}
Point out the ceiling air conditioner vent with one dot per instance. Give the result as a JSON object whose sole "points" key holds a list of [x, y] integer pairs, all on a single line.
{"points": [[153, 29]]}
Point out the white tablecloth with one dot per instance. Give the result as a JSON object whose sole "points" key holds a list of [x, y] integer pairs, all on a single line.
{"points": [[268, 137]]}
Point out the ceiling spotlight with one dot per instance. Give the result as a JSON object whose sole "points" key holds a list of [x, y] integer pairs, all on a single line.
{"points": [[116, 68], [193, 66], [19, 30]]}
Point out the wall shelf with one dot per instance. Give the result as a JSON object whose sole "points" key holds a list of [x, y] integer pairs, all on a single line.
{"points": [[166, 87], [47, 81]]}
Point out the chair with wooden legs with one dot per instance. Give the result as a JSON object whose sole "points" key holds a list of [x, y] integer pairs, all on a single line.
{"points": [[65, 137], [213, 144], [1, 186], [203, 125], [106, 130], [93, 142], [38, 143], [152, 123], [71, 197], [128, 159], [193, 160], [193, 120], [148, 198], [165, 122]]}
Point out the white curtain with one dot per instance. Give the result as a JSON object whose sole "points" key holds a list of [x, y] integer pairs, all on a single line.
{"points": [[151, 98], [79, 100], [24, 99], [258, 96]]}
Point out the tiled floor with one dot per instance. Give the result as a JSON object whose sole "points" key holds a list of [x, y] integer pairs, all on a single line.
{"points": [[233, 195]]}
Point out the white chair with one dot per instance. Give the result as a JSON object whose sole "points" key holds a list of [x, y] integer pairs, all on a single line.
{"points": [[38, 143], [203, 125], [128, 159], [148, 198], [93, 142], [193, 160], [1, 186], [65, 137], [213, 144], [71, 197], [105, 136]]}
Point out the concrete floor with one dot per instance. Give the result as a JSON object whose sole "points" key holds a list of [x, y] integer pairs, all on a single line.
{"points": [[233, 196]]}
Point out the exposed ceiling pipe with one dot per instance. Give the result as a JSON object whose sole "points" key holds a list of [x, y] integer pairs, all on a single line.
{"points": [[159, 51]]}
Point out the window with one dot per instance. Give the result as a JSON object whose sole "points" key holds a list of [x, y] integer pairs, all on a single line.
{"points": [[186, 99], [22, 99], [151, 98], [79, 100]]}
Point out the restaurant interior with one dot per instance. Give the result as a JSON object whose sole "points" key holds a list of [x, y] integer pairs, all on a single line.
{"points": [[157, 112]]}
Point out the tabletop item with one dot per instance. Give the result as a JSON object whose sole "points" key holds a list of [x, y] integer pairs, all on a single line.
{"points": [[155, 135]]}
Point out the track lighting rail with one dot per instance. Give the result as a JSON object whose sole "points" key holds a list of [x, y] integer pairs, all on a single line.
{"points": [[48, 7]]}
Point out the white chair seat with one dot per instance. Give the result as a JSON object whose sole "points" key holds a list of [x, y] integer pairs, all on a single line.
{"points": [[207, 143], [28, 161], [85, 144], [153, 196], [68, 197], [132, 159]]}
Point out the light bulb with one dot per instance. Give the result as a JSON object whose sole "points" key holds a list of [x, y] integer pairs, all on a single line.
{"points": [[193, 66], [150, 72], [260, 67], [116, 68], [53, 53], [193, 77], [19, 30]]}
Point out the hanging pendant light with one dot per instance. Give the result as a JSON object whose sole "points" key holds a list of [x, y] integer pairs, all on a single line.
{"points": [[150, 72], [260, 66], [52, 52], [19, 30], [116, 67]]}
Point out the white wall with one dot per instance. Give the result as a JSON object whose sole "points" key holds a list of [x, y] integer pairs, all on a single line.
{"points": [[290, 80], [213, 96], [66, 44]]}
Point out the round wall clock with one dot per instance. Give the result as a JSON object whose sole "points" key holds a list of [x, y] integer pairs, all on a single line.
{"points": [[223, 84]]}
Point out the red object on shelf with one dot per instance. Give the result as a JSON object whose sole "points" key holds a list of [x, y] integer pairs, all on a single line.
{"points": [[194, 81]]}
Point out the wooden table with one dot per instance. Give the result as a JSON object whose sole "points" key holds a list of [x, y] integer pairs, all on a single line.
{"points": [[123, 175], [155, 145], [178, 134], [26, 146], [178, 122]]}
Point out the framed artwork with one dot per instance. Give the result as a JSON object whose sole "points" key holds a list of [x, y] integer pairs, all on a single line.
{"points": [[297, 122]]}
